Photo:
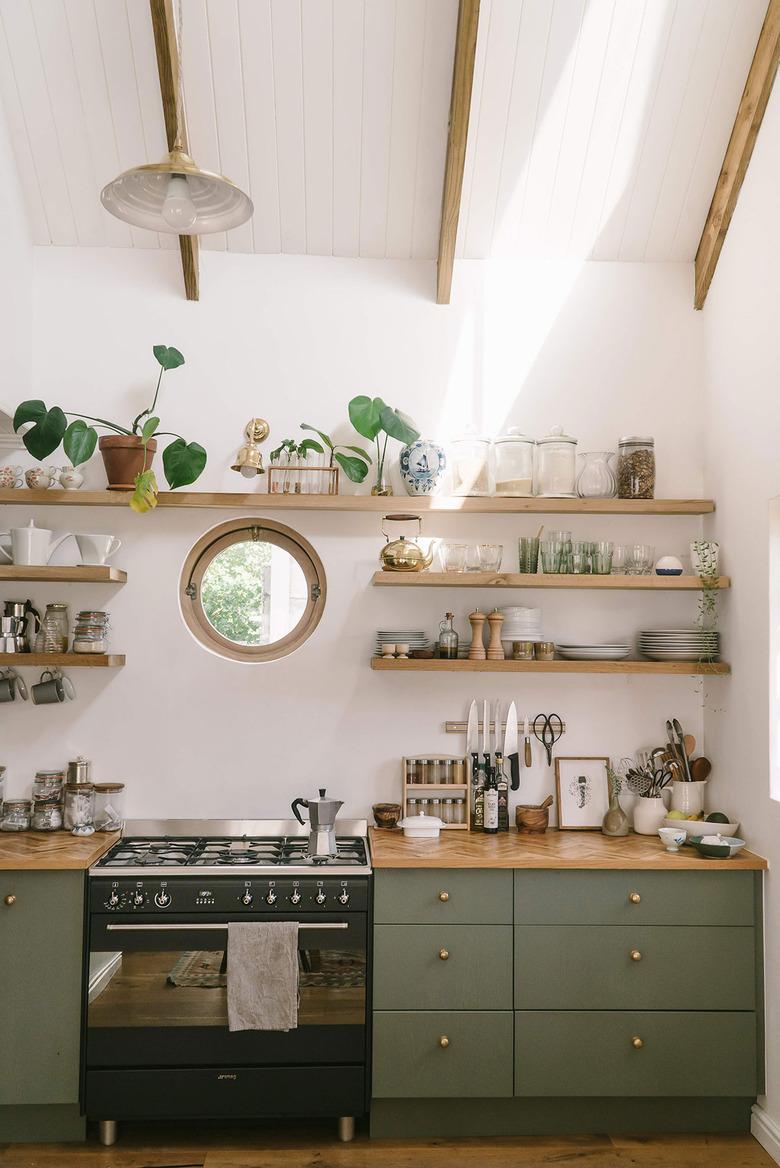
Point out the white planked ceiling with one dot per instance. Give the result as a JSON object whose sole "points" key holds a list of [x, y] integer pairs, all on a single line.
{"points": [[597, 126]]}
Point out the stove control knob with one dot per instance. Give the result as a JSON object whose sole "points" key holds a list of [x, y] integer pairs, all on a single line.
{"points": [[162, 898], [138, 898], [247, 898], [113, 899], [321, 897], [344, 897], [271, 898], [296, 897]]}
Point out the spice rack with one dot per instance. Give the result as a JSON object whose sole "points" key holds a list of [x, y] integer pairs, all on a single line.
{"points": [[416, 783]]}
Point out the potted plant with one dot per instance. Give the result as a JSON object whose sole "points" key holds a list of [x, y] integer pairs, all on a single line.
{"points": [[372, 418], [127, 451], [295, 477]]}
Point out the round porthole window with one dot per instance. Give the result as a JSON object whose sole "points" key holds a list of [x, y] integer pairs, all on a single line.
{"points": [[252, 590]]}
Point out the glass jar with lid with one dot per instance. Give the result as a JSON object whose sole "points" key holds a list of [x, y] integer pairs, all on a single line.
{"points": [[472, 473], [556, 465], [47, 795], [79, 814], [636, 468], [15, 815], [459, 812], [109, 806], [514, 463], [54, 631]]}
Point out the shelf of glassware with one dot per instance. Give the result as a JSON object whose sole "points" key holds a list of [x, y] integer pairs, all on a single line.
{"points": [[541, 580], [647, 668]]}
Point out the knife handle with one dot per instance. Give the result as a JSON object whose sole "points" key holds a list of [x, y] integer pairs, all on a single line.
{"points": [[528, 757], [514, 771]]}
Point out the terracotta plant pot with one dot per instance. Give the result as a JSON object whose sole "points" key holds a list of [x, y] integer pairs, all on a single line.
{"points": [[124, 459]]}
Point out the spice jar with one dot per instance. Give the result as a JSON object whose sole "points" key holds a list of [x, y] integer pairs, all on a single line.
{"points": [[15, 815], [90, 634], [471, 470], [460, 810], [556, 465], [109, 806], [636, 468], [47, 797], [79, 808], [514, 463]]}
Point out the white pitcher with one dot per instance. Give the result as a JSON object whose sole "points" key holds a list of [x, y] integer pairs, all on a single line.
{"points": [[96, 549], [30, 544]]}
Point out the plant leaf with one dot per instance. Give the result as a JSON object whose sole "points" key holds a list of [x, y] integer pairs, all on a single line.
{"points": [[149, 429], [310, 444], [183, 463], [359, 450], [45, 436], [354, 468], [168, 357], [398, 425], [144, 497], [364, 414], [79, 442], [325, 438], [29, 411]]}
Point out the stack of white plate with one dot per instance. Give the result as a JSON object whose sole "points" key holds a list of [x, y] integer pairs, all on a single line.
{"points": [[521, 624], [679, 645], [592, 652], [414, 638]]}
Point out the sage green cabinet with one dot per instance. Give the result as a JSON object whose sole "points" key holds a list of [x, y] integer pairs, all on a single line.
{"points": [[41, 930], [635, 1053], [618, 967], [438, 1054], [443, 967], [443, 896]]}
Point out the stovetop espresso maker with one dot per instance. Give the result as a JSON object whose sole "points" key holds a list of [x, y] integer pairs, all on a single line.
{"points": [[322, 822]]}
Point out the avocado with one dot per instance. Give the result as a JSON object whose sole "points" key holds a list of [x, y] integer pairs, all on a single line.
{"points": [[717, 817]]}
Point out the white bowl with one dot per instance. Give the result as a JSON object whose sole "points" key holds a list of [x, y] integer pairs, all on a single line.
{"points": [[701, 827], [422, 826]]}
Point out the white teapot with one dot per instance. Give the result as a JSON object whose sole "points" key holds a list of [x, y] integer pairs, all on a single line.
{"points": [[30, 544]]}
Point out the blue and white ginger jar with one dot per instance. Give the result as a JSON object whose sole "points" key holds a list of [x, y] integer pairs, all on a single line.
{"points": [[423, 464]]}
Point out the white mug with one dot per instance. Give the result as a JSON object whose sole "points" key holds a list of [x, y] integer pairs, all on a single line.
{"points": [[96, 549]]}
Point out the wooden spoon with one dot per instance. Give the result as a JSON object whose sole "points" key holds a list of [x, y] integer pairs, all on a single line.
{"points": [[700, 769], [690, 744]]}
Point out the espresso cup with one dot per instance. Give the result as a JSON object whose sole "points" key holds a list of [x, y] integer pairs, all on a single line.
{"points": [[39, 478], [49, 689], [10, 476], [96, 549]]}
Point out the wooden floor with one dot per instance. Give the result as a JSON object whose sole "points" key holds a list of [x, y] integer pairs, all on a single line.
{"points": [[169, 1147]]}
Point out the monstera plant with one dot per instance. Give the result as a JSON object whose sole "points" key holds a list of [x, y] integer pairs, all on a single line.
{"points": [[127, 451], [378, 422]]}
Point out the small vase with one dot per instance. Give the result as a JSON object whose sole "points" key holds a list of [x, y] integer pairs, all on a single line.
{"points": [[649, 815], [381, 486], [422, 466], [615, 822]]}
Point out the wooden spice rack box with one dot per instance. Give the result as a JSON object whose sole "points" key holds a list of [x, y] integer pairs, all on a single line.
{"points": [[433, 789]]}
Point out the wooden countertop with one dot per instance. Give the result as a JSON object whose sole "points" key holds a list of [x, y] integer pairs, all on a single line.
{"points": [[52, 850], [553, 849]]}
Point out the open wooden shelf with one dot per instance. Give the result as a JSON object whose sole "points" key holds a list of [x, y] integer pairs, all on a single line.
{"points": [[540, 580], [75, 574], [23, 496], [440, 665], [71, 660]]}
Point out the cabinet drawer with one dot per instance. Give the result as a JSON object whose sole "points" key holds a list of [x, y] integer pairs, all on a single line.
{"points": [[460, 896], [609, 898], [410, 1060], [590, 967], [451, 967], [693, 1054]]}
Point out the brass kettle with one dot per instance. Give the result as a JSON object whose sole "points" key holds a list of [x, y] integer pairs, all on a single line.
{"points": [[404, 555]]}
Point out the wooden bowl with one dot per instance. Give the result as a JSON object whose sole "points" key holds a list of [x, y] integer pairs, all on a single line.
{"points": [[386, 814], [532, 819]]}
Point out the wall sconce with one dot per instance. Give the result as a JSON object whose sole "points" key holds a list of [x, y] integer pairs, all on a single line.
{"points": [[249, 460]]}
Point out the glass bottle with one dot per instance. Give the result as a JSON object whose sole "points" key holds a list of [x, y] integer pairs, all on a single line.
{"points": [[448, 638], [490, 802]]}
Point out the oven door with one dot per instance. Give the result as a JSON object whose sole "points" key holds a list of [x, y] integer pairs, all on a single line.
{"points": [[156, 994]]}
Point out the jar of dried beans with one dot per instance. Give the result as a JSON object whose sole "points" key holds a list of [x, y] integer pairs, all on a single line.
{"points": [[636, 468]]}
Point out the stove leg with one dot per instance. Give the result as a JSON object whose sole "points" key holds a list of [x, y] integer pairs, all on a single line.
{"points": [[107, 1132], [346, 1128]]}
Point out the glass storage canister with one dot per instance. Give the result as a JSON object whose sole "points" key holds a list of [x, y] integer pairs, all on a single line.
{"points": [[472, 473], [109, 806], [91, 632], [79, 808], [636, 468], [16, 815], [556, 465], [514, 463], [47, 793], [459, 804], [55, 628]]}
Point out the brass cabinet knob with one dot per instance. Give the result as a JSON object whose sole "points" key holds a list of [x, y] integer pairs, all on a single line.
{"points": [[637, 1042], [636, 955], [444, 897], [444, 1042], [443, 954], [634, 897], [10, 899]]}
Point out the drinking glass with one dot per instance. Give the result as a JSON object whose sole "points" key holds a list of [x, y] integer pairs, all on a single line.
{"points": [[454, 556], [601, 558], [490, 555], [641, 558], [528, 555], [564, 539], [620, 556], [472, 558], [551, 551], [580, 563]]}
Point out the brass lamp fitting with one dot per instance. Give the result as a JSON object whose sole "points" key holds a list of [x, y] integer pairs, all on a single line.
{"points": [[249, 460]]}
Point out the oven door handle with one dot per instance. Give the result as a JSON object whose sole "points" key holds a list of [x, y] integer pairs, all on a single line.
{"points": [[218, 928]]}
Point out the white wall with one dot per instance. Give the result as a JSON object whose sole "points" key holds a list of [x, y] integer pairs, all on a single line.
{"points": [[743, 470], [604, 349], [16, 281]]}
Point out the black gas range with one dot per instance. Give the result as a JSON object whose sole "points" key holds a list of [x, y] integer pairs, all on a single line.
{"points": [[157, 1039]]}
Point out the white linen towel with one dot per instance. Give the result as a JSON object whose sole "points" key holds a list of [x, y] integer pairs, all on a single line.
{"points": [[262, 975]]}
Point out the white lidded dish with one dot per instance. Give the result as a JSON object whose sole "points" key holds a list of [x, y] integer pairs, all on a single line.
{"points": [[422, 826]]}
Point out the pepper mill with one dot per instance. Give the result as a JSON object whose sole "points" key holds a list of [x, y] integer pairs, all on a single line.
{"points": [[477, 622], [495, 650]]}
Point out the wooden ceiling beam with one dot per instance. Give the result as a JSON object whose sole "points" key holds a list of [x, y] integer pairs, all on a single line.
{"points": [[747, 123], [457, 135], [164, 25]]}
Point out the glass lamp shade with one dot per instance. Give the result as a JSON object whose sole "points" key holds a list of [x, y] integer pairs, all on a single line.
{"points": [[176, 197]]}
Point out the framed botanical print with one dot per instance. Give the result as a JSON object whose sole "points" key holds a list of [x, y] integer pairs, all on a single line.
{"points": [[583, 793]]}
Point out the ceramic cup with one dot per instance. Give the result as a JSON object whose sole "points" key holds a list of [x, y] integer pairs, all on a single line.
{"points": [[388, 649], [672, 839], [649, 815], [10, 476], [402, 649], [11, 684], [52, 688], [96, 549], [40, 478], [70, 478]]}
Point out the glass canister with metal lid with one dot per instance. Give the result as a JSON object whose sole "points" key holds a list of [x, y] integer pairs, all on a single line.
{"points": [[79, 808], [472, 472], [79, 770], [636, 468], [556, 465], [47, 799], [109, 806], [15, 815], [514, 463]]}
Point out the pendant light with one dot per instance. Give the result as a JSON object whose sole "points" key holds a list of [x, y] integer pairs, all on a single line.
{"points": [[174, 195]]}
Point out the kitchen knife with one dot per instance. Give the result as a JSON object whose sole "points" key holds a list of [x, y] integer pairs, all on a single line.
{"points": [[527, 738], [497, 752], [472, 740], [510, 746], [486, 733]]}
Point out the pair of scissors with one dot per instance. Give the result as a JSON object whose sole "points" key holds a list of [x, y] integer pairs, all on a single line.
{"points": [[551, 730]]}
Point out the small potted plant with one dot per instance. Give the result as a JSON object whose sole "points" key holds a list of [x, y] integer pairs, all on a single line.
{"points": [[372, 418], [127, 451], [290, 473]]}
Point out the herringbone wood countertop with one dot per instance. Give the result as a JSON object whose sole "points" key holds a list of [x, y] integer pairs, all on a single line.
{"points": [[49, 850]]}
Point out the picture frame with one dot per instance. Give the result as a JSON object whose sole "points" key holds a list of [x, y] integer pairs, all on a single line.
{"points": [[582, 790]]}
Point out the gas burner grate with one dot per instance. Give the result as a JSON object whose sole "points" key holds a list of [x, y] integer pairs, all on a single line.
{"points": [[227, 852]]}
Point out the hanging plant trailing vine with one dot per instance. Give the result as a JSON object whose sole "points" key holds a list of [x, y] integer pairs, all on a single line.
{"points": [[706, 554]]}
